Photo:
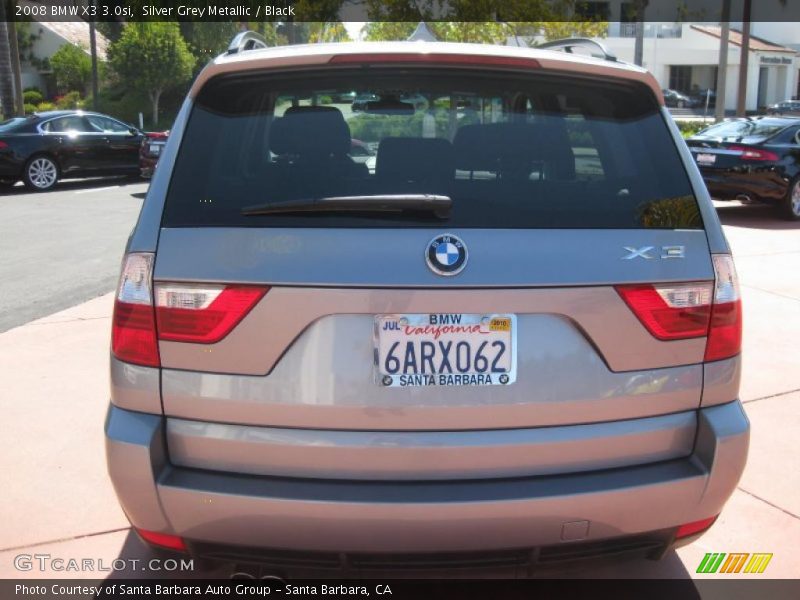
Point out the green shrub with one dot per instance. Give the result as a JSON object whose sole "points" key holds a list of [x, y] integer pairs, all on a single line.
{"points": [[72, 67], [34, 97], [44, 106], [689, 128], [70, 100], [29, 108]]}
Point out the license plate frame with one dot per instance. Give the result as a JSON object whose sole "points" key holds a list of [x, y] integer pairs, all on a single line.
{"points": [[155, 149], [496, 327]]}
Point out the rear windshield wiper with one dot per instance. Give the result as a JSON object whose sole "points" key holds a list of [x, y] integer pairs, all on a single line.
{"points": [[435, 203]]}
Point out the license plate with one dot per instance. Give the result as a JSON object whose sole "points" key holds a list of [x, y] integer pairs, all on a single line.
{"points": [[450, 349], [155, 149], [706, 159]]}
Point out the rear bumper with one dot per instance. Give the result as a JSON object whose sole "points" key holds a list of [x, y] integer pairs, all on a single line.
{"points": [[347, 516], [763, 187]]}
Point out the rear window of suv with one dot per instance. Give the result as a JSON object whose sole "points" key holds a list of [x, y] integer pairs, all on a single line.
{"points": [[509, 150]]}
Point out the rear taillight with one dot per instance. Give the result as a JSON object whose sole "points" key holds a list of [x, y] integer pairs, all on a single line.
{"points": [[725, 331], [673, 311], [133, 329], [677, 311], [750, 153], [3, 145], [202, 314]]}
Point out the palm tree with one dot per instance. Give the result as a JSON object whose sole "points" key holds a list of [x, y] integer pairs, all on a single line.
{"points": [[6, 82], [722, 71]]}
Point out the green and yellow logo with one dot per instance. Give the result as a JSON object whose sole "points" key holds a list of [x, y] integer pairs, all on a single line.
{"points": [[735, 562]]}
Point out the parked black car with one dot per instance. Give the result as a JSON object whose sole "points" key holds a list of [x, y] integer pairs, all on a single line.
{"points": [[42, 148], [752, 159], [787, 107], [699, 98], [675, 99]]}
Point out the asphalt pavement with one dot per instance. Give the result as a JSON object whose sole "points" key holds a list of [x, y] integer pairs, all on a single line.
{"points": [[61, 248], [57, 498]]}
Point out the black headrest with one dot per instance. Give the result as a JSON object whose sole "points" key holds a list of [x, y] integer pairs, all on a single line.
{"points": [[405, 159], [310, 130], [513, 148], [493, 146]]}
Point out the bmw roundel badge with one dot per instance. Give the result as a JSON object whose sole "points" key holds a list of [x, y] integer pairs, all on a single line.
{"points": [[446, 254]]}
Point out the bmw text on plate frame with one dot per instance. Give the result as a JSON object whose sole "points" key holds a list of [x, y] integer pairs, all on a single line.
{"points": [[446, 254]]}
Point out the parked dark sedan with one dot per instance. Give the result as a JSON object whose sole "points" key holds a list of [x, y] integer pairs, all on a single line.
{"points": [[787, 107], [152, 145], [699, 97], [42, 148], [755, 159], [675, 99]]}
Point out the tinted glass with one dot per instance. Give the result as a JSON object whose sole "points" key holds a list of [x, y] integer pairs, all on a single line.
{"points": [[744, 128], [512, 151], [106, 125], [66, 125], [13, 123]]}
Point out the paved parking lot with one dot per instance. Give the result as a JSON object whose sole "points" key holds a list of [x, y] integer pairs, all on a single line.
{"points": [[58, 500]]}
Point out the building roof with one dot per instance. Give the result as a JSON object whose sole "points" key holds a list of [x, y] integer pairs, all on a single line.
{"points": [[735, 37], [77, 33]]}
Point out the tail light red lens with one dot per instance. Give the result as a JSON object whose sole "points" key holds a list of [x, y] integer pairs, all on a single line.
{"points": [[725, 332], [689, 310], [688, 529], [3, 145], [202, 314], [165, 540], [133, 331], [671, 311], [751, 153]]}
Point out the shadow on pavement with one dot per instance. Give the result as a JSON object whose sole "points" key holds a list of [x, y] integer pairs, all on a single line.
{"points": [[68, 185], [754, 216]]}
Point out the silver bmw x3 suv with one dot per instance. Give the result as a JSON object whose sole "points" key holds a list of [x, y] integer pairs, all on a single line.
{"points": [[512, 338]]}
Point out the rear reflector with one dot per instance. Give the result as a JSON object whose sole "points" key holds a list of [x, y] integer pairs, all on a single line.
{"points": [[133, 331], [725, 332], [440, 59], [164, 540], [688, 529], [751, 153], [671, 311], [202, 314]]}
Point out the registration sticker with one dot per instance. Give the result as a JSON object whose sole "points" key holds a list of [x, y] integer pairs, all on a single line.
{"points": [[445, 349]]}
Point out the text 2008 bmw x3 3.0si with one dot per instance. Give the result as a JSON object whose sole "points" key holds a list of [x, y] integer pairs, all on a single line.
{"points": [[506, 333]]}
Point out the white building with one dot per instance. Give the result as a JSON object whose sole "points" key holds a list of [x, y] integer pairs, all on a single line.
{"points": [[685, 57], [48, 38]]}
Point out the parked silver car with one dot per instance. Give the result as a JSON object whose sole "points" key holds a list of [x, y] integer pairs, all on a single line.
{"points": [[515, 343]]}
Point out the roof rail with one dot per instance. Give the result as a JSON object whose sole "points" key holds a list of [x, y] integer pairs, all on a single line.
{"points": [[246, 40], [569, 43]]}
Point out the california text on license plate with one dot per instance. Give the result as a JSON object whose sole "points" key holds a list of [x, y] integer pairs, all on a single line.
{"points": [[445, 349]]}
